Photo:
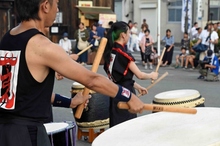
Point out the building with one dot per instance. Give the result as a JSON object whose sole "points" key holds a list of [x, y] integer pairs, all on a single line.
{"points": [[171, 13], [67, 18]]}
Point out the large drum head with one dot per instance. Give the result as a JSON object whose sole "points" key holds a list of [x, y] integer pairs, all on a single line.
{"points": [[185, 98]]}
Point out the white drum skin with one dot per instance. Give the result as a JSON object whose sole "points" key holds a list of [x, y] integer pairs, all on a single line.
{"points": [[182, 98], [53, 128], [166, 129]]}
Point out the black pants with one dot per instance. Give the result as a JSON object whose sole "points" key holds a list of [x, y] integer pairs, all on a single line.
{"points": [[147, 57], [168, 56], [22, 132], [142, 55]]}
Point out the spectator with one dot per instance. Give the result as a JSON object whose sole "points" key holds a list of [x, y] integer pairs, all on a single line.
{"points": [[130, 25], [110, 23], [194, 31], [140, 36], [144, 24], [181, 57], [109, 26], [185, 42], [199, 30], [214, 38], [154, 56], [100, 29], [147, 47], [169, 44], [218, 29], [203, 42], [192, 58], [134, 38], [193, 42], [65, 43], [84, 35], [210, 66], [93, 38]]}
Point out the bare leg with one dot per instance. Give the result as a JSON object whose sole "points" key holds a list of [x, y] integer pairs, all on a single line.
{"points": [[182, 60], [191, 60], [177, 60], [187, 61]]}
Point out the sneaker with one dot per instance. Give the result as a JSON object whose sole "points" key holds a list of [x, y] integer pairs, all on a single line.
{"points": [[192, 68], [130, 50], [200, 77], [145, 67], [151, 67], [176, 66], [185, 67]]}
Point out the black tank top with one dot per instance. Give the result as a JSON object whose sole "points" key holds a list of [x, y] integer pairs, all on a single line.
{"points": [[20, 94]]}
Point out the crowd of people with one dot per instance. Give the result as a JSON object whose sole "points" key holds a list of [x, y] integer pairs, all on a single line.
{"points": [[201, 49], [193, 48]]}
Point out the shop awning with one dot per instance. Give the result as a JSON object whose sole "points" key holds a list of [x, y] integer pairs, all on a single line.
{"points": [[93, 12]]}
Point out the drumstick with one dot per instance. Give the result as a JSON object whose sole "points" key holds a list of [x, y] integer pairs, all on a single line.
{"points": [[84, 50], [154, 83], [158, 65], [161, 108], [95, 66]]}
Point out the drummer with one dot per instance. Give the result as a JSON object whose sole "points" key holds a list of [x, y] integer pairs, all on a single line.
{"points": [[28, 62], [120, 67]]}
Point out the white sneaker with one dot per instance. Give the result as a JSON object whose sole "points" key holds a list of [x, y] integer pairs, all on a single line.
{"points": [[145, 67], [130, 50], [138, 49], [151, 67]]}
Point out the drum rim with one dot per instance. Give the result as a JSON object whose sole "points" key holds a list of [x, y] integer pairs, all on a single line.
{"points": [[188, 103], [94, 124]]}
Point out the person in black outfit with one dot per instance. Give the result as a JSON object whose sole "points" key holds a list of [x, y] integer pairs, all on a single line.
{"points": [[120, 67]]}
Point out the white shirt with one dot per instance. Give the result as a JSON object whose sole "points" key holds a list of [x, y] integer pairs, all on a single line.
{"points": [[134, 30], [214, 36], [194, 32], [203, 36], [140, 36], [66, 45]]}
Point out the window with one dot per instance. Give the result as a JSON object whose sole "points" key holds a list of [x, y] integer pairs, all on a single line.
{"points": [[216, 13], [175, 11]]}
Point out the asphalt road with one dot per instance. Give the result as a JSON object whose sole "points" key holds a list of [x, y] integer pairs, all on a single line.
{"points": [[177, 79]]}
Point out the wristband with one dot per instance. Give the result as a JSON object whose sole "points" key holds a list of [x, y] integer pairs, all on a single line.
{"points": [[61, 101], [123, 94]]}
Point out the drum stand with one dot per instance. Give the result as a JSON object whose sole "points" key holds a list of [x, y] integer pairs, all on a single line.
{"points": [[90, 132]]}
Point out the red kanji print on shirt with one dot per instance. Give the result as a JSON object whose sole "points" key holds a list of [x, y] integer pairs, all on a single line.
{"points": [[9, 65]]}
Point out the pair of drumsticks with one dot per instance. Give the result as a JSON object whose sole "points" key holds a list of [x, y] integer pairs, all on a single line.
{"points": [[122, 105]]}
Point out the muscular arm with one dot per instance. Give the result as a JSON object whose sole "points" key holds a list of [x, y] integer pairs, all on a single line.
{"points": [[42, 54]]}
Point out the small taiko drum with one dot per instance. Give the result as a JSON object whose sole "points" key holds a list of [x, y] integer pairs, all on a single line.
{"points": [[97, 112], [60, 133], [182, 98]]}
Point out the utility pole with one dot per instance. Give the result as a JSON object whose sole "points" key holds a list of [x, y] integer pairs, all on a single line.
{"points": [[186, 16], [208, 10]]}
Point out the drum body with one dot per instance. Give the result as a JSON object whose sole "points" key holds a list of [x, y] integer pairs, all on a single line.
{"points": [[97, 112], [182, 98]]}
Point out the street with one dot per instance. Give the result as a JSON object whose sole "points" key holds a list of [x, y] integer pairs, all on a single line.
{"points": [[177, 79]]}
